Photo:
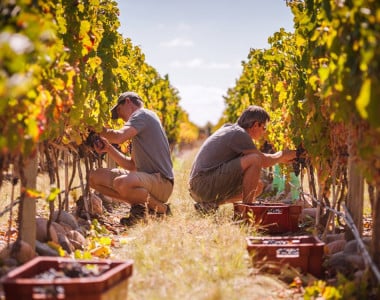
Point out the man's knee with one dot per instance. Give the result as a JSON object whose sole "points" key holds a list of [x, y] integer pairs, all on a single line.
{"points": [[123, 184], [251, 160], [92, 177], [260, 188]]}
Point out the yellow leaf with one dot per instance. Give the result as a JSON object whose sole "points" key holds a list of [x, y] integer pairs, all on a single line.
{"points": [[34, 194], [102, 251], [85, 27], [364, 98], [59, 84], [56, 247], [54, 191]]}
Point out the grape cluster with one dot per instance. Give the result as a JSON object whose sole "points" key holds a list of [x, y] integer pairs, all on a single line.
{"points": [[73, 270], [300, 161], [64, 271], [93, 139], [267, 148]]}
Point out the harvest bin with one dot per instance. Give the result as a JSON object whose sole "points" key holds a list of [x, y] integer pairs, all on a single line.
{"points": [[303, 252], [271, 217], [21, 283]]}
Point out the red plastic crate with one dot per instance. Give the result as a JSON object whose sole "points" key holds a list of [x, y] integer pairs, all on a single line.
{"points": [[271, 217], [303, 252], [112, 284]]}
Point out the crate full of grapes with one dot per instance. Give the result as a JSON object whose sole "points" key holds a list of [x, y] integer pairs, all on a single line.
{"points": [[269, 217], [302, 252], [66, 278]]}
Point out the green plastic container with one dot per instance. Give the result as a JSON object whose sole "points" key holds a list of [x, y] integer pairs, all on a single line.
{"points": [[278, 183]]}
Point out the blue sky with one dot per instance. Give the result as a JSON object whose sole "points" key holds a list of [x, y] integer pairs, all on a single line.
{"points": [[200, 44]]}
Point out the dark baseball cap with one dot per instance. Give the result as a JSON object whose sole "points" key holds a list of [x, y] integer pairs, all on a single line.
{"points": [[134, 97]]}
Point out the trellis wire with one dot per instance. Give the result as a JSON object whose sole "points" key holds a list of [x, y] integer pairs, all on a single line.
{"points": [[350, 223], [17, 201]]}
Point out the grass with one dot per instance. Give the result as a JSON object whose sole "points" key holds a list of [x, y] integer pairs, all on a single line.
{"points": [[185, 256], [188, 256]]}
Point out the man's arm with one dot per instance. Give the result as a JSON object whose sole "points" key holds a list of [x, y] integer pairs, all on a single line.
{"points": [[118, 136], [123, 161], [269, 160], [283, 156]]}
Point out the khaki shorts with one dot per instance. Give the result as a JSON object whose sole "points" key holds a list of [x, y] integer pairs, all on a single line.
{"points": [[156, 185], [218, 184]]}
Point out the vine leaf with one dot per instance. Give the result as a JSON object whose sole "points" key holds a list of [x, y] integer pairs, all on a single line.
{"points": [[54, 191], [34, 194], [364, 98]]}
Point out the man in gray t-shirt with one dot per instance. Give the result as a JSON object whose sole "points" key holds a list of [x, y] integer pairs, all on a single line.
{"points": [[145, 179], [227, 167]]}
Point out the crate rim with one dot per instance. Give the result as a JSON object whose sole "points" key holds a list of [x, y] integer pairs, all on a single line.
{"points": [[12, 276], [318, 241]]}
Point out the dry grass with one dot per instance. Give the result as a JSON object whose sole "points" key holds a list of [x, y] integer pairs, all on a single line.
{"points": [[188, 256], [185, 256]]}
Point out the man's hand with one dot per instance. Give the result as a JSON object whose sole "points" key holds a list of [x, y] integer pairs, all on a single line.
{"points": [[288, 155], [101, 145]]}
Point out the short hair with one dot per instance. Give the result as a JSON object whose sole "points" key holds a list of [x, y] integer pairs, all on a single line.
{"points": [[252, 114]]}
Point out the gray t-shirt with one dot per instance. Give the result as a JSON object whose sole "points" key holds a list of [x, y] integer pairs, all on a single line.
{"points": [[227, 143], [150, 146]]}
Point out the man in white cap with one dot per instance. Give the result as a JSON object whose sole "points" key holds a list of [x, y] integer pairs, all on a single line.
{"points": [[145, 178]]}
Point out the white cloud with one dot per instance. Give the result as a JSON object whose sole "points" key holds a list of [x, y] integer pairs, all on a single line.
{"points": [[202, 103], [214, 66], [193, 63], [183, 27], [199, 63], [159, 26], [177, 42]]}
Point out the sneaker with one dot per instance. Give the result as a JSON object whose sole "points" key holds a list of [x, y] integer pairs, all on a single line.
{"points": [[106, 202], [136, 214], [168, 210], [161, 215], [206, 208]]}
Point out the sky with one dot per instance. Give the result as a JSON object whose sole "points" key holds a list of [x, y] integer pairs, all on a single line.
{"points": [[200, 44]]}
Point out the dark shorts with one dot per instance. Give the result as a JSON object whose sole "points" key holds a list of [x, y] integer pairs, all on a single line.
{"points": [[218, 184]]}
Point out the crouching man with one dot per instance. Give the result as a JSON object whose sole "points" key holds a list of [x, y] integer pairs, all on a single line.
{"points": [[227, 167], [145, 178]]}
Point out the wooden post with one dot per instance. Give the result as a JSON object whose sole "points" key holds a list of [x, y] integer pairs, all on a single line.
{"points": [[28, 225], [355, 197], [66, 198], [376, 227]]}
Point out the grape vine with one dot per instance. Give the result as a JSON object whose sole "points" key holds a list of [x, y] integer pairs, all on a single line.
{"points": [[321, 87], [62, 66]]}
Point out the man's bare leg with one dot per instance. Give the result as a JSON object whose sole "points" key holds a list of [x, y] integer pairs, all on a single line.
{"points": [[125, 188], [251, 166]]}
